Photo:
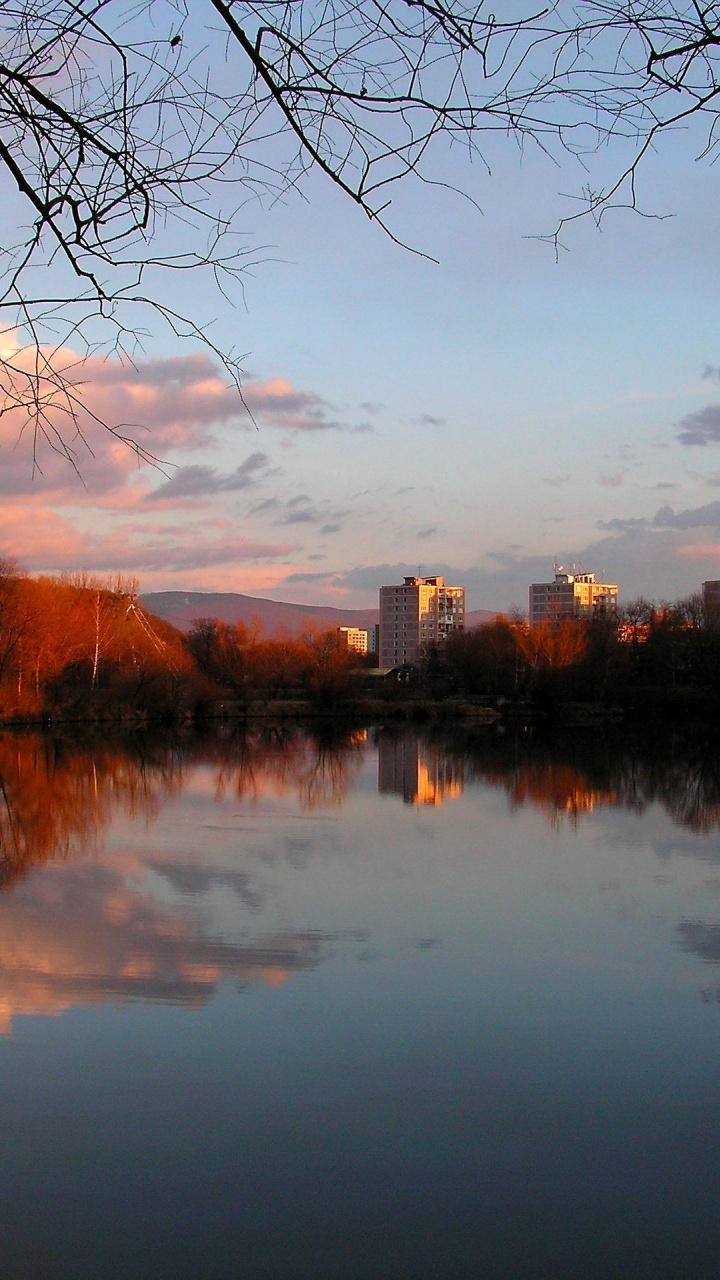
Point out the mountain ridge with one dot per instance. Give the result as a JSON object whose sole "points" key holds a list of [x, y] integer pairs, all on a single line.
{"points": [[181, 608]]}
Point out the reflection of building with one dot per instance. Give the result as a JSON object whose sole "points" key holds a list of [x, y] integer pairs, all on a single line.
{"points": [[570, 595], [418, 771], [421, 613], [353, 638]]}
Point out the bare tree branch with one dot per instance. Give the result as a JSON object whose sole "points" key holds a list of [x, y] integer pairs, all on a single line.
{"points": [[135, 132]]}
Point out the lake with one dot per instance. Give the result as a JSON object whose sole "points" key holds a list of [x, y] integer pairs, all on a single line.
{"points": [[384, 1004]]}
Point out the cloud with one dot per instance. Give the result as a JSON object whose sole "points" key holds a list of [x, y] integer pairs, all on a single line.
{"points": [[641, 558], [557, 481], [267, 504], [430, 420], [701, 428], [427, 533], [612, 481], [707, 516], [631, 525], [203, 481], [45, 542], [707, 551], [304, 516], [279, 404], [164, 405]]}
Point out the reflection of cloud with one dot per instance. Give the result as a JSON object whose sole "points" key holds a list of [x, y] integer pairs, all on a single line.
{"points": [[187, 878], [79, 935], [701, 938]]}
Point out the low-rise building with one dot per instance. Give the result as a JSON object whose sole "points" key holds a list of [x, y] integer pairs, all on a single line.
{"points": [[354, 638]]}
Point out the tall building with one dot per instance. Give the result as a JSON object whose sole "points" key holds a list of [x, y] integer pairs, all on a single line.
{"points": [[711, 600], [421, 613], [570, 595]]}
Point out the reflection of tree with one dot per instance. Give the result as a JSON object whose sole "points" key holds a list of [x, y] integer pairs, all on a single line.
{"points": [[559, 788], [567, 775], [81, 933], [287, 760], [56, 798]]}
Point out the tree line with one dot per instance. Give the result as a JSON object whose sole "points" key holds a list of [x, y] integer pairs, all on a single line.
{"points": [[83, 647], [79, 647], [646, 654]]}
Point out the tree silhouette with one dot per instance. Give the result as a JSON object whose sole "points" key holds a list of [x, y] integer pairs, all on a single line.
{"points": [[133, 133]]}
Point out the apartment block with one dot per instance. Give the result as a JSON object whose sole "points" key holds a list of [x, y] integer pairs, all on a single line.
{"points": [[711, 600], [417, 615], [570, 595], [354, 638]]}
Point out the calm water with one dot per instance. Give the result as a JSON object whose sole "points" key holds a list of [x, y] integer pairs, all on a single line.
{"points": [[384, 1007]]}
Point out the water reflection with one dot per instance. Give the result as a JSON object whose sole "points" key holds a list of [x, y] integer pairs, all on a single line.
{"points": [[325, 995], [58, 797], [80, 934], [141, 925], [420, 771]]}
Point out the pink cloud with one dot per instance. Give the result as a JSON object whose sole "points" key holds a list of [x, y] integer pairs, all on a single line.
{"points": [[164, 405], [277, 403], [701, 551], [42, 541]]}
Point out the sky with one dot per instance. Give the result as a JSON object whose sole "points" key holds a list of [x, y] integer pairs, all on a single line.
{"points": [[482, 415]]}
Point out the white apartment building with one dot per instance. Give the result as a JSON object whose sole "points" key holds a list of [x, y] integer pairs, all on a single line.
{"points": [[570, 595], [413, 617], [353, 638]]}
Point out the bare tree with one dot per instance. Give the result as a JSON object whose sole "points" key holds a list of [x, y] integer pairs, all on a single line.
{"points": [[133, 133]]}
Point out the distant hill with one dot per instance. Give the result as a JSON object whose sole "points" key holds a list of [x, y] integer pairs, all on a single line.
{"points": [[478, 617], [181, 608]]}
